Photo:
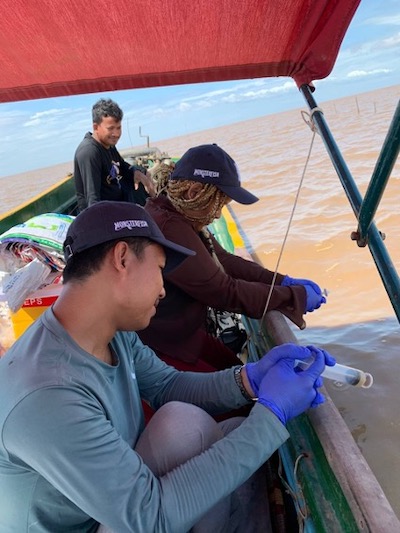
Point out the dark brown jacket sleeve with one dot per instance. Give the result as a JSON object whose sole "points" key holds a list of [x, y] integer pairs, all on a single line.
{"points": [[242, 286]]}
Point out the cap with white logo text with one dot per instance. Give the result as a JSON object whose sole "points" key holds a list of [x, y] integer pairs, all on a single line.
{"points": [[208, 163], [108, 221]]}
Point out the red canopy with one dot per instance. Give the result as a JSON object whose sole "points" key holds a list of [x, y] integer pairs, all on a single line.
{"points": [[62, 47]]}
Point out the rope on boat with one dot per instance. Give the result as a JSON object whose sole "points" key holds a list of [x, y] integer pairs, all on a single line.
{"points": [[296, 494], [309, 118], [310, 122]]}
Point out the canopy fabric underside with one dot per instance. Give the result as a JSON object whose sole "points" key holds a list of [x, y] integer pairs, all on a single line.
{"points": [[63, 47]]}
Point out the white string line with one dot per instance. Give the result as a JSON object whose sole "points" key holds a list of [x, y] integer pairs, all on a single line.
{"points": [[314, 130], [296, 493]]}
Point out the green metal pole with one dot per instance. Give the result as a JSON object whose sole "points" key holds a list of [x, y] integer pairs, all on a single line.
{"points": [[380, 177]]}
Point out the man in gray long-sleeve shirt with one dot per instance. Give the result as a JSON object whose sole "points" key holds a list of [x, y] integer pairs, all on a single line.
{"points": [[74, 452]]}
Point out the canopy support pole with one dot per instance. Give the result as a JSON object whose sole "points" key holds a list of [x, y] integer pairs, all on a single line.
{"points": [[380, 177], [371, 236]]}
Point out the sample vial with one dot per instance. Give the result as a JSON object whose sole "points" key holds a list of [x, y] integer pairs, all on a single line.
{"points": [[343, 374]]}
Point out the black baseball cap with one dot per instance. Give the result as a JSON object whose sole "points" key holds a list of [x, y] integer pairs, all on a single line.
{"points": [[108, 221], [208, 163]]}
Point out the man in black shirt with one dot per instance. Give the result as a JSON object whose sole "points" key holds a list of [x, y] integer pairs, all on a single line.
{"points": [[100, 172]]}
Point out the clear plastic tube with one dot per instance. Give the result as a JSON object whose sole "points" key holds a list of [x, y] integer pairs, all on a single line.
{"points": [[343, 374]]}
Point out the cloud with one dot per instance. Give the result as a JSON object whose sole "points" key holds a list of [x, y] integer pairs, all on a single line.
{"points": [[235, 92], [44, 117], [234, 88], [259, 89], [48, 113], [184, 106], [205, 103], [10, 118], [388, 20], [363, 73], [368, 59], [392, 41]]}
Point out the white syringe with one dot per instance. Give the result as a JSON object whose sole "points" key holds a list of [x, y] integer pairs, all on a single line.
{"points": [[343, 374]]}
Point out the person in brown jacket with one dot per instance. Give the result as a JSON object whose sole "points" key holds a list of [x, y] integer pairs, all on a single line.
{"points": [[204, 180]]}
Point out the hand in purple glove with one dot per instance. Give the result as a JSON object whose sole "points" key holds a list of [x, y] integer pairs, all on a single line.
{"points": [[314, 296], [329, 359], [256, 371], [288, 281], [313, 299], [288, 391]]}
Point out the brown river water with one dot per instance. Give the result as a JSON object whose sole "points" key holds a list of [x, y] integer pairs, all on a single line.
{"points": [[357, 324]]}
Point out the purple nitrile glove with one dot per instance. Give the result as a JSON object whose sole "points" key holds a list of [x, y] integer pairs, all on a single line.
{"points": [[288, 392], [256, 371], [287, 281], [314, 296], [329, 359], [313, 299]]}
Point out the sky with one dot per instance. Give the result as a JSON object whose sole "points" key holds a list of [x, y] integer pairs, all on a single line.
{"points": [[41, 133]]}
